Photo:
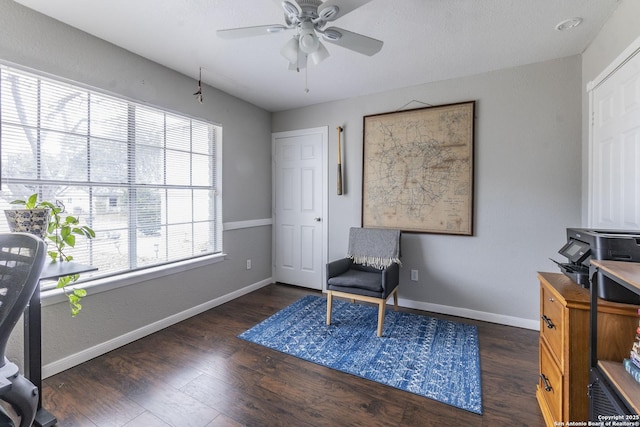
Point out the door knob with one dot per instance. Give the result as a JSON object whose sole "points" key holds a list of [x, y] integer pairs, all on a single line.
{"points": [[317, 219]]}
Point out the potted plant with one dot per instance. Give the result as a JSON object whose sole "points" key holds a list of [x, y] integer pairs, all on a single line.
{"points": [[31, 219], [61, 229]]}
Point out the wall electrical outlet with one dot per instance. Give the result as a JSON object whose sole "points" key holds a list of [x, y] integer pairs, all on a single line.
{"points": [[248, 264], [414, 275]]}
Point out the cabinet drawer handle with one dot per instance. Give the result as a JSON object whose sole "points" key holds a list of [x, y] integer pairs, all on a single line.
{"points": [[548, 321], [545, 380]]}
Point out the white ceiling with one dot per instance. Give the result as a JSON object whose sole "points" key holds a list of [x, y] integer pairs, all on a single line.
{"points": [[424, 41]]}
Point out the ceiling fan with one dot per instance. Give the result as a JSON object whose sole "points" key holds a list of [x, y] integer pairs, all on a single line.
{"points": [[308, 19]]}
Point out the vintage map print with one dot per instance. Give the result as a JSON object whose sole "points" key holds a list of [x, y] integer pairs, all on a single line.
{"points": [[418, 170]]}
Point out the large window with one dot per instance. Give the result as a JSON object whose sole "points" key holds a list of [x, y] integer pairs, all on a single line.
{"points": [[144, 179]]}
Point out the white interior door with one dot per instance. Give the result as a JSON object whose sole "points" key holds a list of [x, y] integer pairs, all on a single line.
{"points": [[299, 206], [615, 148]]}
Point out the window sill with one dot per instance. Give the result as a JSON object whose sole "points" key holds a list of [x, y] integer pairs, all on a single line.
{"points": [[55, 296]]}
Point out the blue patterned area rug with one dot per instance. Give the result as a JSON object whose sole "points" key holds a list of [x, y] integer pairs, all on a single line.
{"points": [[430, 357]]}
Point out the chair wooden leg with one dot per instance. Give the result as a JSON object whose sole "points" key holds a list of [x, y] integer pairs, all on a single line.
{"points": [[395, 299], [381, 307], [329, 305]]}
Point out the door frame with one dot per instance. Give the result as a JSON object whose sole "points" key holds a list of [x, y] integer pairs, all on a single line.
{"points": [[632, 50], [324, 132]]}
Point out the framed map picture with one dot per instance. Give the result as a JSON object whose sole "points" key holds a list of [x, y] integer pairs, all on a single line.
{"points": [[418, 170]]}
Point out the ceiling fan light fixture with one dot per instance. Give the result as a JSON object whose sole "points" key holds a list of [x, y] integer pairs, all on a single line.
{"points": [[290, 50], [299, 63], [307, 37], [319, 55], [309, 43]]}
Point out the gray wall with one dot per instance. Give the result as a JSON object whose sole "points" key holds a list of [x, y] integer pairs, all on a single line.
{"points": [[527, 187], [622, 28], [33, 40]]}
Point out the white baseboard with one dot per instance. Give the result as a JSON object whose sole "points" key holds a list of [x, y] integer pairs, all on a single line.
{"points": [[102, 348], [471, 314]]}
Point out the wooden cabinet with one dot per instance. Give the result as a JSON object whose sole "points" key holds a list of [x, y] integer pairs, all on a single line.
{"points": [[564, 345]]}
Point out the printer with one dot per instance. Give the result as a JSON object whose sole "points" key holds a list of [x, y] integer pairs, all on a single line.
{"points": [[585, 244]]}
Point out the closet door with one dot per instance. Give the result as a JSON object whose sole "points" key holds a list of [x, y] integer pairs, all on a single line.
{"points": [[299, 201], [615, 147]]}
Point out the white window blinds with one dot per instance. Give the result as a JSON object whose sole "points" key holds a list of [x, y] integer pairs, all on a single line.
{"points": [[144, 179]]}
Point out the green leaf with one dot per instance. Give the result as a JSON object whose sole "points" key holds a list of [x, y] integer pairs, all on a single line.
{"points": [[66, 280], [71, 220], [84, 231], [31, 202], [63, 281], [70, 240], [64, 233], [74, 302], [80, 292]]}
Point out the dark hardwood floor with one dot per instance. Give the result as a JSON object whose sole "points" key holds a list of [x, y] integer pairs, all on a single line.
{"points": [[197, 373]]}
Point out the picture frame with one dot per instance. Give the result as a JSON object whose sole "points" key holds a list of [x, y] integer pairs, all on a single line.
{"points": [[418, 169]]}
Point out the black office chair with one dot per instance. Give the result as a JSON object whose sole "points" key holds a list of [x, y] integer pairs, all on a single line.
{"points": [[22, 258], [370, 272]]}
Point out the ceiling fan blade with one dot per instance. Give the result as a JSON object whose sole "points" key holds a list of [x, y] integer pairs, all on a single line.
{"points": [[237, 33], [344, 7], [353, 41]]}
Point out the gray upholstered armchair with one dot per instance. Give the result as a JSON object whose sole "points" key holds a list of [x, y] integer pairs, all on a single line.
{"points": [[370, 272]]}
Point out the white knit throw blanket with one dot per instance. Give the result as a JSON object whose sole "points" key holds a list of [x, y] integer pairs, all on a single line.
{"points": [[375, 247]]}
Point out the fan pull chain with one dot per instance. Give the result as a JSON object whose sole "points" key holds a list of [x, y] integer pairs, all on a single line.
{"points": [[306, 80]]}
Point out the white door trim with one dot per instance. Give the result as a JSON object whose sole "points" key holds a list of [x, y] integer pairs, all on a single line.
{"points": [[324, 130], [626, 55], [629, 53]]}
